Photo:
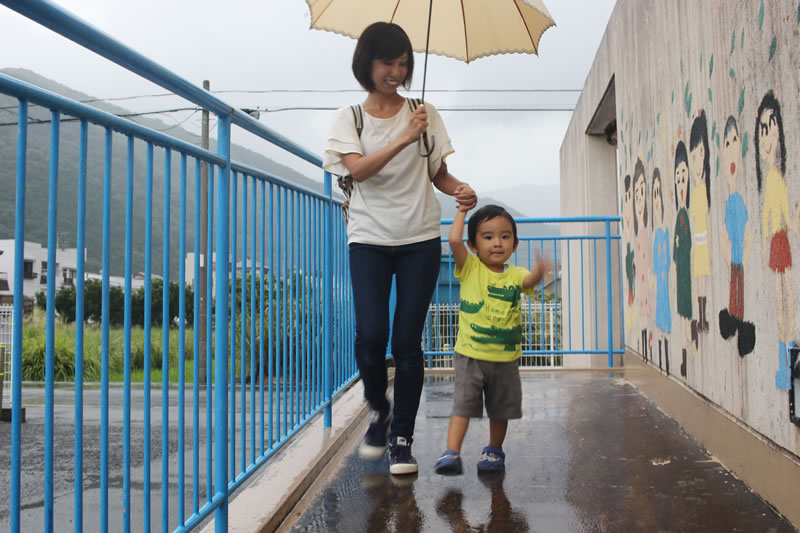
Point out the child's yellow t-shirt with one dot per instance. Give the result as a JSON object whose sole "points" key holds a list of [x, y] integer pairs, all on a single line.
{"points": [[490, 318]]}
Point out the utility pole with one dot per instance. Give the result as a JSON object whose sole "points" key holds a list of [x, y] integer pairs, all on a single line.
{"points": [[201, 276]]}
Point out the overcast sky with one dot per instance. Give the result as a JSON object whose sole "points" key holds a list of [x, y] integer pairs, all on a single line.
{"points": [[267, 45]]}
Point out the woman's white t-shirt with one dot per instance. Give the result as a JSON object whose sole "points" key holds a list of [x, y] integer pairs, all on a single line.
{"points": [[397, 205]]}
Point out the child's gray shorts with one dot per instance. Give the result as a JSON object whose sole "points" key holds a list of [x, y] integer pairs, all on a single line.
{"points": [[497, 382]]}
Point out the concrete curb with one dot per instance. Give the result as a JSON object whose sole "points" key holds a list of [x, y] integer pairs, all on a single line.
{"points": [[268, 499], [301, 486]]}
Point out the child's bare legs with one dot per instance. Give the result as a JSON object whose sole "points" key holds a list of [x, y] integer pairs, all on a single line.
{"points": [[456, 432], [497, 432]]}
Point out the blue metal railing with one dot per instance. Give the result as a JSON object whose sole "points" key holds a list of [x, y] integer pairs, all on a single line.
{"points": [[293, 360], [544, 344]]}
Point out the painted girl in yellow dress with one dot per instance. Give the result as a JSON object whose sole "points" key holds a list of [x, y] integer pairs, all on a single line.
{"points": [[701, 177], [776, 222]]}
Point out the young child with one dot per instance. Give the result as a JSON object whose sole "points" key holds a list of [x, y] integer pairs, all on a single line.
{"points": [[489, 332]]}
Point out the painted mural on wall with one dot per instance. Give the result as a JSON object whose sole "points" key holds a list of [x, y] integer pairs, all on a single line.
{"points": [[735, 244], [776, 222], [696, 235]]}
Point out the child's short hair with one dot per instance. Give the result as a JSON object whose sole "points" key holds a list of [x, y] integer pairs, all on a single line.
{"points": [[485, 213], [381, 40]]}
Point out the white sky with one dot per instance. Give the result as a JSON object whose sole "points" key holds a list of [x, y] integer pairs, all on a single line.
{"points": [[250, 46]]}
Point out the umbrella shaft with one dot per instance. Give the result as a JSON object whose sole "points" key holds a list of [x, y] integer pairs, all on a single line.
{"points": [[427, 42]]}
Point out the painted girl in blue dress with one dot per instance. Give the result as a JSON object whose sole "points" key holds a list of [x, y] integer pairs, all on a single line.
{"points": [[661, 264]]}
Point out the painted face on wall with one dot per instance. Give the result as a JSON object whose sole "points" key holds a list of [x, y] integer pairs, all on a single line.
{"points": [[682, 182], [658, 202], [696, 157], [768, 137], [731, 156], [640, 198]]}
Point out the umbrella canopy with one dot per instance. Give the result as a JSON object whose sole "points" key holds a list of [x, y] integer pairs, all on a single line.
{"points": [[462, 29]]}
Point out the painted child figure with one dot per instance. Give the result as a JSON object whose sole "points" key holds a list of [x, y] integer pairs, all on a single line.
{"points": [[489, 332]]}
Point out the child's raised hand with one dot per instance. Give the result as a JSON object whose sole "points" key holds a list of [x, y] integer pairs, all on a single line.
{"points": [[543, 263]]}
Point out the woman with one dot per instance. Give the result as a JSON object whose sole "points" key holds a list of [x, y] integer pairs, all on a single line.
{"points": [[393, 230]]}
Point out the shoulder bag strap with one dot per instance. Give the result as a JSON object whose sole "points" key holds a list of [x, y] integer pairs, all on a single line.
{"points": [[358, 118]]}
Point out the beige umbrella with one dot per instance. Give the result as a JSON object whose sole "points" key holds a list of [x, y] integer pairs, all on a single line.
{"points": [[462, 29]]}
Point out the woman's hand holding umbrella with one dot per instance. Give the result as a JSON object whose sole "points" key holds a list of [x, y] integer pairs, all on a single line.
{"points": [[417, 125]]}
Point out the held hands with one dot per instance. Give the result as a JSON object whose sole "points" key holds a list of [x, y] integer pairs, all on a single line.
{"points": [[465, 197], [417, 125]]}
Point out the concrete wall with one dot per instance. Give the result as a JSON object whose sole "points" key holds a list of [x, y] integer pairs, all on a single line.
{"points": [[694, 73]]}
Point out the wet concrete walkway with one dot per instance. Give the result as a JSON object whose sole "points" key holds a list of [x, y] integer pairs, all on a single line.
{"points": [[591, 453]]}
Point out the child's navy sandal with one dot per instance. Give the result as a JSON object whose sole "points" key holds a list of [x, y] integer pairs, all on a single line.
{"points": [[492, 459], [449, 464]]}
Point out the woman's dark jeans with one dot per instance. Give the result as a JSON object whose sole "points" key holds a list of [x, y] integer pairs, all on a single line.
{"points": [[416, 268]]}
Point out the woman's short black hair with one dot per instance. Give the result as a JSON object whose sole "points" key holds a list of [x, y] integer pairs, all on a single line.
{"points": [[381, 40], [485, 213]]}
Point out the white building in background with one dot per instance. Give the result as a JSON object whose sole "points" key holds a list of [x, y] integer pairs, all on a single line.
{"points": [[35, 269], [190, 274]]}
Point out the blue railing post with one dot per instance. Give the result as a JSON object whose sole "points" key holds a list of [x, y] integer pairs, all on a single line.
{"points": [[52, 244], [16, 362], [80, 273], [327, 299], [165, 323], [609, 314], [126, 423], [148, 245], [221, 329], [106, 303]]}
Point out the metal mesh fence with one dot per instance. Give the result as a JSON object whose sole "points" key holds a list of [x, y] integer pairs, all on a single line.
{"points": [[540, 333], [6, 337]]}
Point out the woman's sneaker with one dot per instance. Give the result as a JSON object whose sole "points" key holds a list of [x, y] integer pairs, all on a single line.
{"points": [[400, 459], [376, 440], [449, 464], [492, 459]]}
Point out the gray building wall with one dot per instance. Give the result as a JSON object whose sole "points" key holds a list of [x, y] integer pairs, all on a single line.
{"points": [[659, 67]]}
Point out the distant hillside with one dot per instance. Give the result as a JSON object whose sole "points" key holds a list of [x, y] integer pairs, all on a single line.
{"points": [[37, 174], [523, 230], [532, 200], [38, 171]]}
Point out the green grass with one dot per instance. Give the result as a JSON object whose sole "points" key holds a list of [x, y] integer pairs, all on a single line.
{"points": [[34, 352]]}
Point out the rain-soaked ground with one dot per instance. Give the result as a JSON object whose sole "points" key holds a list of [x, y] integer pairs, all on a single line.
{"points": [[590, 454]]}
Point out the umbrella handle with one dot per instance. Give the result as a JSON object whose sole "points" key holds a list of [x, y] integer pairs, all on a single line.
{"points": [[424, 140]]}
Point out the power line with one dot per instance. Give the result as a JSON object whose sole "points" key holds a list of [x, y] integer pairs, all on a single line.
{"points": [[32, 120], [317, 91], [265, 91], [177, 124], [442, 108]]}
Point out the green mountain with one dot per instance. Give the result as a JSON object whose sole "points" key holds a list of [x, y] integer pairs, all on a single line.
{"points": [[37, 178]]}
